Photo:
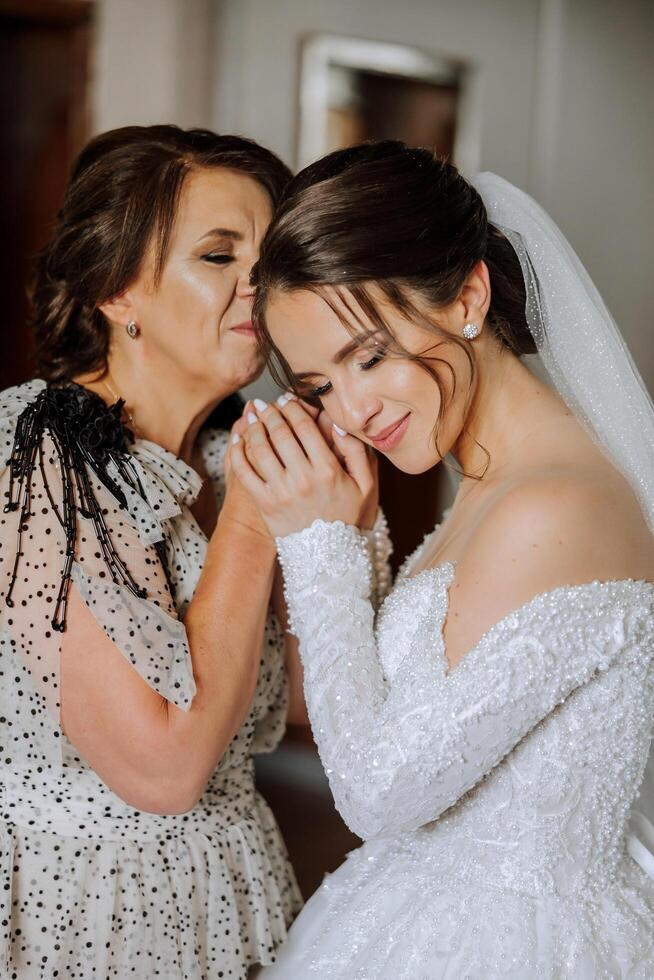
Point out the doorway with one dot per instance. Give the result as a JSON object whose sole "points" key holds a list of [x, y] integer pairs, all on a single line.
{"points": [[44, 58]]}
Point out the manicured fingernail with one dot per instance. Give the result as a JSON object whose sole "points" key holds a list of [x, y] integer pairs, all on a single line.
{"points": [[340, 431], [235, 438], [251, 417], [283, 399], [290, 394], [260, 404]]}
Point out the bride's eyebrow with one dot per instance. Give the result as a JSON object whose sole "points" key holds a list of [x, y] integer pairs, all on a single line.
{"points": [[359, 341]]}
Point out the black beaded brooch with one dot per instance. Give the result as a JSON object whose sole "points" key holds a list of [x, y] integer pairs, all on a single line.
{"points": [[85, 433]]}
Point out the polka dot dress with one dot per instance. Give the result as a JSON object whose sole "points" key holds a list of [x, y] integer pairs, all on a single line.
{"points": [[89, 886]]}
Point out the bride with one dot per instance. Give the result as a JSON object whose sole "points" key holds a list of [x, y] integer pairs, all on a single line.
{"points": [[486, 731]]}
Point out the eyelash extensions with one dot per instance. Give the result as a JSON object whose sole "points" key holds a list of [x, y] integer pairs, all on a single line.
{"points": [[366, 366]]}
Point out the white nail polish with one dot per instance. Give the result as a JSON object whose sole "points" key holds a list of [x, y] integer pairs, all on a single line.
{"points": [[340, 431], [235, 438], [251, 417], [260, 404], [283, 399]]}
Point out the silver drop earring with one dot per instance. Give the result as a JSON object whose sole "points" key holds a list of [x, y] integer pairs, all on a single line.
{"points": [[470, 331], [132, 329]]}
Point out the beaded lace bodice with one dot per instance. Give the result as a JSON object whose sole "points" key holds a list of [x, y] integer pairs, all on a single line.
{"points": [[517, 768]]}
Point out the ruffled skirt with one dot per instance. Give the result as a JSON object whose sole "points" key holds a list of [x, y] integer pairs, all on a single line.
{"points": [[191, 907]]}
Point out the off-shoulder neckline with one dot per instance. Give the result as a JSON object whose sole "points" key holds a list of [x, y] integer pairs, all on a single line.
{"points": [[443, 574]]}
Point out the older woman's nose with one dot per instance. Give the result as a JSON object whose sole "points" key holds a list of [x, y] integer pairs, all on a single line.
{"points": [[244, 288]]}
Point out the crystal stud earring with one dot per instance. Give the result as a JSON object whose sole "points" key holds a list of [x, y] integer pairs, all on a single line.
{"points": [[470, 331], [132, 329]]}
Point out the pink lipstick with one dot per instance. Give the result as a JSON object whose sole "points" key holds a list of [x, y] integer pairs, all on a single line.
{"points": [[389, 437]]}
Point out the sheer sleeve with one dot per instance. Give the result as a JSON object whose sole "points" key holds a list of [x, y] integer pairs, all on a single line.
{"points": [[273, 687], [401, 749], [70, 531]]}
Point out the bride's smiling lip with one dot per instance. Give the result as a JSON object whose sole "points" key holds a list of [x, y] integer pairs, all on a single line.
{"points": [[389, 437]]}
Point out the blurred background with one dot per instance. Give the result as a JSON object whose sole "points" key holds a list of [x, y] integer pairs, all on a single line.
{"points": [[555, 95]]}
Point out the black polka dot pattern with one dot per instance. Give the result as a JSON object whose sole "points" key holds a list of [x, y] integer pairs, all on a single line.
{"points": [[89, 886]]}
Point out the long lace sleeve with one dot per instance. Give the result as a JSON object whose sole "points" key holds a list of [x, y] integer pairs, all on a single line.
{"points": [[402, 740]]}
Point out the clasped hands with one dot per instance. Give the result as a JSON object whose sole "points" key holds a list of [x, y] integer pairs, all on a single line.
{"points": [[296, 466]]}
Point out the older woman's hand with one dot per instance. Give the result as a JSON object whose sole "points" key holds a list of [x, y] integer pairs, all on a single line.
{"points": [[239, 504], [292, 473]]}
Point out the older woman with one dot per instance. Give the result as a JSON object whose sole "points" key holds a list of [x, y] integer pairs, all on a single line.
{"points": [[140, 672]]}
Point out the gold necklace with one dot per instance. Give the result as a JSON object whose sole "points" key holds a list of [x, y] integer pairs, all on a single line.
{"points": [[130, 417]]}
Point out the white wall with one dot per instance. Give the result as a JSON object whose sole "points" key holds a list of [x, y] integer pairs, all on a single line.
{"points": [[153, 63], [599, 179], [566, 106], [257, 56], [568, 99], [257, 49]]}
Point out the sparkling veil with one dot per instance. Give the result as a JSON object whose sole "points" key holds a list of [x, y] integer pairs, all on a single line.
{"points": [[586, 359]]}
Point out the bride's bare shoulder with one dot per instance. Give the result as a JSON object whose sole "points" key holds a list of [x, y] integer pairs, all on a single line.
{"points": [[568, 525], [564, 525]]}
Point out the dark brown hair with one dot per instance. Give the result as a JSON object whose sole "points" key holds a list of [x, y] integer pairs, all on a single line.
{"points": [[123, 194], [387, 215]]}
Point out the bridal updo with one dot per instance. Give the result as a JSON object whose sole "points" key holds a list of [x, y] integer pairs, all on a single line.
{"points": [[398, 218]]}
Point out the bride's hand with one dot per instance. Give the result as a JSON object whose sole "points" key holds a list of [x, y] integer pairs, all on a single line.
{"points": [[285, 463], [368, 515]]}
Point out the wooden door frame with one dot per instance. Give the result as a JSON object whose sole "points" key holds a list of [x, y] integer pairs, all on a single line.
{"points": [[49, 11], [78, 15], [70, 22]]}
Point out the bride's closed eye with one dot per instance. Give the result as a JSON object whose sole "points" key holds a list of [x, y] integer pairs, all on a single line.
{"points": [[322, 390], [379, 355]]}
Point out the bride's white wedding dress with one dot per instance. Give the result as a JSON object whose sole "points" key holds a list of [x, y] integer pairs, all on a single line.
{"points": [[493, 798]]}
